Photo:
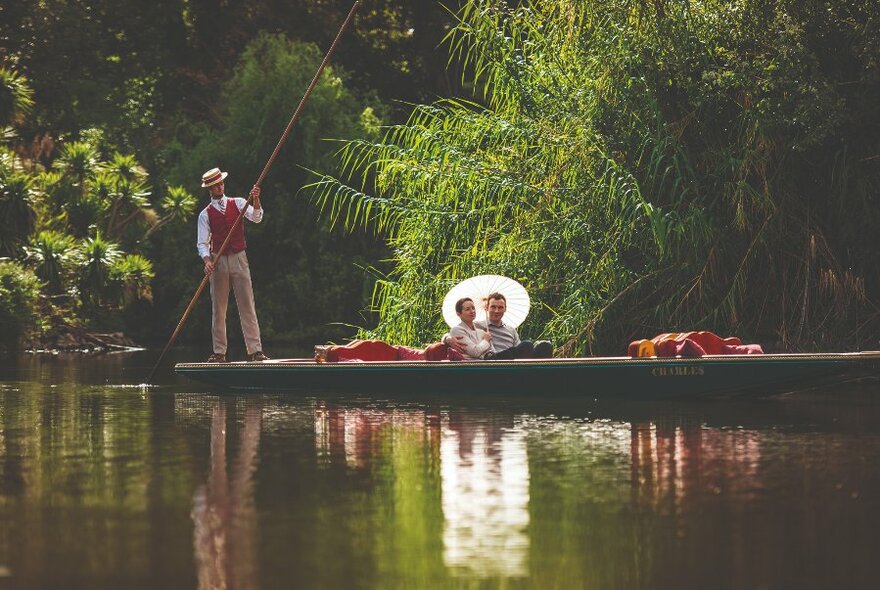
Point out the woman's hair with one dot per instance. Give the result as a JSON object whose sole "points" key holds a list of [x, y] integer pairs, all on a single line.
{"points": [[459, 305]]}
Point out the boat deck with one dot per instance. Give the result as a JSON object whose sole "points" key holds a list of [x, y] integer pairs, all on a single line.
{"points": [[593, 376]]}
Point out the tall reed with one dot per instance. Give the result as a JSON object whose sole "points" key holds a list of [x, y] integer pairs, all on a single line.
{"points": [[640, 168]]}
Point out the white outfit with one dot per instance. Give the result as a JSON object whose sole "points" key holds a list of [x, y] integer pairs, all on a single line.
{"points": [[473, 345]]}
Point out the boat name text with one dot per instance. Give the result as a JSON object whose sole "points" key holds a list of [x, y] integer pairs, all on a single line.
{"points": [[677, 371]]}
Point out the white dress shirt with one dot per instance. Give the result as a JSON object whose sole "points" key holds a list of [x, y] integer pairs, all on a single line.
{"points": [[203, 240]]}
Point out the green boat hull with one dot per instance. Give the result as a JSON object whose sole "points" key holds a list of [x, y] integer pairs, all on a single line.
{"points": [[624, 377]]}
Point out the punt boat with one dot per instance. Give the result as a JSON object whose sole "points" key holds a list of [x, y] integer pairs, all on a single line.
{"points": [[591, 377]]}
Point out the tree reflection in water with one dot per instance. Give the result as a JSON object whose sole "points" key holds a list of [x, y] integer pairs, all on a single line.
{"points": [[354, 435], [437, 496], [482, 467], [106, 486], [496, 513], [224, 515], [670, 462]]}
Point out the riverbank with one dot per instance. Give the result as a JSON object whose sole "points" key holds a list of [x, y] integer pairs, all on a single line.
{"points": [[78, 339]]}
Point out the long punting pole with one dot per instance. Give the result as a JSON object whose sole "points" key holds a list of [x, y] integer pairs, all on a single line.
{"points": [[262, 177]]}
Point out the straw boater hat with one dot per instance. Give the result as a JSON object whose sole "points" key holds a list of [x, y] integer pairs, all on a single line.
{"points": [[212, 177]]}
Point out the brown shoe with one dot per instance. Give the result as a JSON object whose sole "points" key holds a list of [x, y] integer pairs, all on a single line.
{"points": [[217, 358], [258, 357]]}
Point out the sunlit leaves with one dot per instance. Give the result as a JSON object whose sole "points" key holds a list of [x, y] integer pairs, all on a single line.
{"points": [[97, 257], [52, 255], [124, 168], [629, 166], [131, 275], [16, 97], [19, 291], [78, 162], [74, 219], [178, 203]]}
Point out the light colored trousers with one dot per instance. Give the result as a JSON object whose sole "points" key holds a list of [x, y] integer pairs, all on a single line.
{"points": [[233, 269]]}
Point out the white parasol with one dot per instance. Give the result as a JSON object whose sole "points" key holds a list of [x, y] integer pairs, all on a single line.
{"points": [[479, 288]]}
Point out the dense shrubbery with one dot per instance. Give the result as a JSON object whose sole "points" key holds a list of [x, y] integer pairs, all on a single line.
{"points": [[78, 222], [641, 167], [129, 66], [19, 291], [86, 217]]}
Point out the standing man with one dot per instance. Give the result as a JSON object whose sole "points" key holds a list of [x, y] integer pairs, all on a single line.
{"points": [[215, 222], [505, 339]]}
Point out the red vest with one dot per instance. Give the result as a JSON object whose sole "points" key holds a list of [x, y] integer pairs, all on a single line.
{"points": [[220, 224]]}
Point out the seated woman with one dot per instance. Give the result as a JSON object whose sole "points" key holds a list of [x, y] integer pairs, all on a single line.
{"points": [[476, 343]]}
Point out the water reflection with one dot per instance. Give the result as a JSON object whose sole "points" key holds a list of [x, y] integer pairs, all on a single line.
{"points": [[670, 460], [485, 475], [104, 486], [224, 514], [480, 462], [355, 435], [382, 516], [604, 501]]}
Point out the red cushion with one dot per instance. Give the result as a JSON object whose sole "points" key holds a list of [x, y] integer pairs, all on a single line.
{"points": [[694, 344], [362, 350], [690, 348], [377, 350], [405, 353], [435, 352]]}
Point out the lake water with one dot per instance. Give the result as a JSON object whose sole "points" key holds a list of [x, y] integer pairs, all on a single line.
{"points": [[105, 484]]}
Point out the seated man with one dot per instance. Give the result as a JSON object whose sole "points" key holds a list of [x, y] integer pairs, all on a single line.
{"points": [[505, 339]]}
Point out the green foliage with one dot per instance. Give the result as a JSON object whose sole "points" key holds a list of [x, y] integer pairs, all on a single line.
{"points": [[19, 290], [150, 74], [640, 168], [95, 62], [178, 203], [80, 225], [16, 97], [77, 162], [131, 201], [112, 194], [52, 255], [129, 67], [97, 258], [130, 277], [17, 206], [125, 167]]}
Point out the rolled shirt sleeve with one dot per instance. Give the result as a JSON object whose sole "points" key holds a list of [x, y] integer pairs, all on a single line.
{"points": [[255, 215]]}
